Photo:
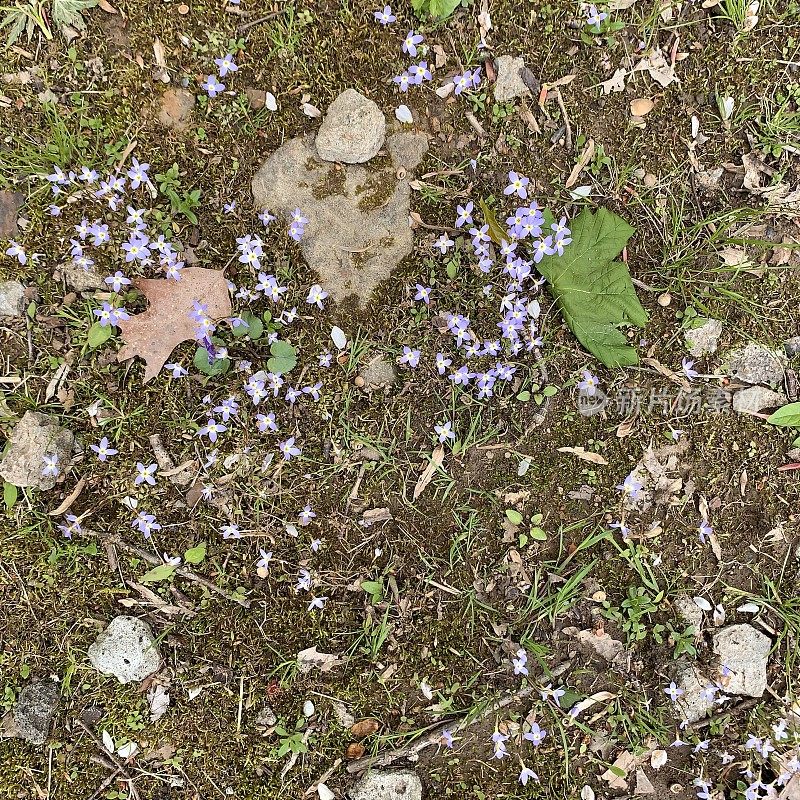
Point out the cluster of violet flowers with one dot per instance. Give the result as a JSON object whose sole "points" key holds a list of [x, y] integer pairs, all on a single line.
{"points": [[526, 244], [212, 84], [416, 73]]}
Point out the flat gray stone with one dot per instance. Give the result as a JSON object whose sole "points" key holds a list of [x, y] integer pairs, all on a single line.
{"points": [[402, 785], [744, 650], [358, 229], [510, 83], [353, 129], [757, 364], [125, 649], [378, 373], [34, 710], [82, 280], [689, 611], [691, 705], [756, 398], [12, 297], [703, 340], [10, 204], [407, 149], [643, 784], [35, 436]]}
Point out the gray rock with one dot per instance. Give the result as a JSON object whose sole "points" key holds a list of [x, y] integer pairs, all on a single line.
{"points": [[744, 650], [358, 227], [378, 373], [757, 364], [792, 346], [266, 717], [510, 82], [689, 611], [353, 129], [403, 785], [10, 204], [755, 398], [643, 784], [126, 649], [691, 705], [34, 710], [82, 280], [407, 149], [12, 295], [702, 341], [176, 109], [35, 436]]}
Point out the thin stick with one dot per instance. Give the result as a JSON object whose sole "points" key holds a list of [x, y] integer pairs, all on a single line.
{"points": [[567, 126], [182, 571], [245, 26], [112, 757]]}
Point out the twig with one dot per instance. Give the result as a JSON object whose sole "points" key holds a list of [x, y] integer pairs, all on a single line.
{"points": [[567, 126], [182, 571], [69, 499], [476, 126], [112, 757], [435, 735], [245, 26]]}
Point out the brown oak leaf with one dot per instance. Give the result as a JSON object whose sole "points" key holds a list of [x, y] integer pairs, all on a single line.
{"points": [[155, 333]]}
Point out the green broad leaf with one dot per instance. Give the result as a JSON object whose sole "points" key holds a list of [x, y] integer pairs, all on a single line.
{"points": [[538, 534], [514, 517], [796, 442], [786, 417], [195, 555], [98, 334], [443, 8], [162, 572], [594, 292], [219, 366], [374, 589], [549, 391], [10, 493], [284, 358], [496, 231], [524, 396], [67, 13]]}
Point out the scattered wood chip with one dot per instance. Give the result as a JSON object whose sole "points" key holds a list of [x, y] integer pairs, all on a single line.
{"points": [[641, 107], [584, 455], [437, 458], [586, 157], [364, 728]]}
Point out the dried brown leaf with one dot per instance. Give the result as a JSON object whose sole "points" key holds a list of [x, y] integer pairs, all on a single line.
{"points": [[155, 333], [584, 455], [436, 461]]}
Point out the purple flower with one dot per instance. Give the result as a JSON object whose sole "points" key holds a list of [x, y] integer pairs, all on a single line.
{"points": [[73, 526], [442, 363], [499, 741], [263, 562], [177, 370], [420, 72], [230, 531], [595, 17], [526, 774], [317, 602], [144, 474], [462, 82], [403, 81], [137, 173], [673, 691], [411, 41], [225, 65], [535, 735], [444, 432], [103, 449], [410, 356], [211, 429], [227, 408], [306, 515], [443, 243], [464, 214], [212, 86], [50, 468], [316, 294], [588, 384], [687, 365], [447, 739], [517, 184], [385, 17], [520, 663], [16, 251], [229, 208], [423, 293], [704, 530], [266, 218], [117, 281], [266, 422], [631, 487], [136, 249], [462, 376], [288, 449]]}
